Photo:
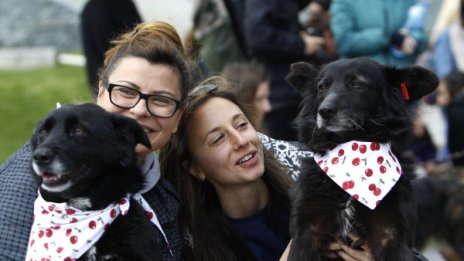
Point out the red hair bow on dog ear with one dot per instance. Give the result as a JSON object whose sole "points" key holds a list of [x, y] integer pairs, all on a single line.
{"points": [[404, 90]]}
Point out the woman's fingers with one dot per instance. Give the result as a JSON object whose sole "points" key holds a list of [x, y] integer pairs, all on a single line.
{"points": [[350, 254], [332, 250], [357, 242]]}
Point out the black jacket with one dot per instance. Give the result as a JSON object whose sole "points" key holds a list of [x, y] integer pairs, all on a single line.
{"points": [[272, 36], [101, 20]]}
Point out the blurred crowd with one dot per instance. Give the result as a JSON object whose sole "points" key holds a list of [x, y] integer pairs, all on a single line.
{"points": [[253, 42], [270, 35]]}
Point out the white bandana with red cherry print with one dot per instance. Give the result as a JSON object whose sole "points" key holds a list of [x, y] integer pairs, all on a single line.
{"points": [[365, 170], [61, 232]]}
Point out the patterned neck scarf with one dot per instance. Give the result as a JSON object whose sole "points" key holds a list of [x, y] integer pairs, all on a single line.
{"points": [[365, 170], [61, 232]]}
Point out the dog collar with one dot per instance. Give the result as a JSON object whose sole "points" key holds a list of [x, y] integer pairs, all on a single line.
{"points": [[61, 232], [365, 170]]}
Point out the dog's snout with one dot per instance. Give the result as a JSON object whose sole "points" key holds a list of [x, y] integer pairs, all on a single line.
{"points": [[328, 107], [327, 112], [43, 156]]}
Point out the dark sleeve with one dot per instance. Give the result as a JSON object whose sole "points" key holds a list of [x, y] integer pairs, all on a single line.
{"points": [[165, 202], [271, 30], [125, 15], [18, 192], [102, 20], [289, 154]]}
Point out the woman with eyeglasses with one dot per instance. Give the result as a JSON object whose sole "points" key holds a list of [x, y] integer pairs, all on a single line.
{"points": [[145, 77]]}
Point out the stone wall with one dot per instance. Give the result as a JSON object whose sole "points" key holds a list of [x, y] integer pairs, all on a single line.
{"points": [[25, 23]]}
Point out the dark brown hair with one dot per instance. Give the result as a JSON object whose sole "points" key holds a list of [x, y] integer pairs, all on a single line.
{"points": [[157, 42]]}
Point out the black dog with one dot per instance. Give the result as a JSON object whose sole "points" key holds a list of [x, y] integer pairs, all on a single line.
{"points": [[84, 159], [354, 100]]}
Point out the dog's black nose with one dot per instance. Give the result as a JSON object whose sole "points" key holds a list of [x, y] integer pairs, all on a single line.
{"points": [[326, 112], [43, 156]]}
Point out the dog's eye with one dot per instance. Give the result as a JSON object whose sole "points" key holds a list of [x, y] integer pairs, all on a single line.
{"points": [[356, 85], [321, 86], [42, 134], [77, 131]]}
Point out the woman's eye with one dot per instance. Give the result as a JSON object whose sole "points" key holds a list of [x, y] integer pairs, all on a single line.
{"points": [[217, 139], [126, 92], [161, 101], [242, 125]]}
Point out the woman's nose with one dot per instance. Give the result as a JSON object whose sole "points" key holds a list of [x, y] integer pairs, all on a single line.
{"points": [[238, 140], [140, 109]]}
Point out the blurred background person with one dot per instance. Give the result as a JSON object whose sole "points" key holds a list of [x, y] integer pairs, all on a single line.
{"points": [[447, 14], [371, 28], [450, 96], [447, 56], [213, 32], [101, 20], [316, 22], [424, 148], [448, 51], [274, 37], [249, 83]]}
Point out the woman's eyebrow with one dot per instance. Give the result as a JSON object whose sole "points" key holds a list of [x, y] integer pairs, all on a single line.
{"points": [[131, 84], [161, 92], [238, 115], [235, 117]]}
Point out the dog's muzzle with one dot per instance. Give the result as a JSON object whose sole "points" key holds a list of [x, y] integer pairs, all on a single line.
{"points": [[43, 156]]}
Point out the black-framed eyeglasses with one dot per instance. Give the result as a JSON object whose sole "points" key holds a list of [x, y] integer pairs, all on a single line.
{"points": [[202, 89], [158, 105]]}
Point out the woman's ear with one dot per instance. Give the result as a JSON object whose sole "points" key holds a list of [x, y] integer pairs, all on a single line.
{"points": [[193, 170], [179, 116], [101, 89]]}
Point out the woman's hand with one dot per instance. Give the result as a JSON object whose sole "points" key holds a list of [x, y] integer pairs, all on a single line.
{"points": [[347, 253], [339, 249]]}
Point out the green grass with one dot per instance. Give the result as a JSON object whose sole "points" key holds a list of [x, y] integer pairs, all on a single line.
{"points": [[26, 96]]}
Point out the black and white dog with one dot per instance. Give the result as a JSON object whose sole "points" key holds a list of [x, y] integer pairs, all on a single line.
{"points": [[352, 111], [86, 167]]}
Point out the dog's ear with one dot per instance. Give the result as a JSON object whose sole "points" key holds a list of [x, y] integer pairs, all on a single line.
{"points": [[415, 81], [130, 130], [302, 76]]}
